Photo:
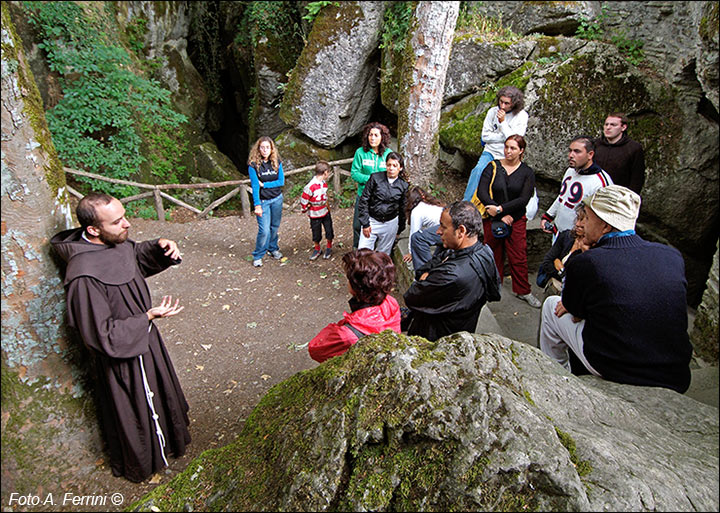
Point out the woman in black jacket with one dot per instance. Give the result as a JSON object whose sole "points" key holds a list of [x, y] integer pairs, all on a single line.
{"points": [[381, 208], [512, 188]]}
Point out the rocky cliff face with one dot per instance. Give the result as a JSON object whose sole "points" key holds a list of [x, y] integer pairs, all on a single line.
{"points": [[470, 423]]}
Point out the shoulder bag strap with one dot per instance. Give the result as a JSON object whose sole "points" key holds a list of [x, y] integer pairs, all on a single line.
{"points": [[357, 332]]}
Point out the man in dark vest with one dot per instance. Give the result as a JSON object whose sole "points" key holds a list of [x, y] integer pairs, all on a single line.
{"points": [[623, 311], [141, 404]]}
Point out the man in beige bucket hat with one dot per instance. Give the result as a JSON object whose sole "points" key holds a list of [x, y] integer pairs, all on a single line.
{"points": [[623, 311]]}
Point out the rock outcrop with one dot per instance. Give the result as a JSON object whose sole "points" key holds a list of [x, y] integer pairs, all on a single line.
{"points": [[469, 423], [704, 334], [333, 86]]}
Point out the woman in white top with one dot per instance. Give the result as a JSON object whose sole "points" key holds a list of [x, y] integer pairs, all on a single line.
{"points": [[422, 212], [505, 119]]}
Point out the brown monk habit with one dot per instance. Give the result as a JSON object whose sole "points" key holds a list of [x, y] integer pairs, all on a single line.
{"points": [[107, 298]]}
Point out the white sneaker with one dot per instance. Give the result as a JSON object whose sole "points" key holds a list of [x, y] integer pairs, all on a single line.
{"points": [[258, 262], [276, 254], [530, 299]]}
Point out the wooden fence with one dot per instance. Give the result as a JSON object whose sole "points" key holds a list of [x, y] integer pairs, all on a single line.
{"points": [[242, 187]]}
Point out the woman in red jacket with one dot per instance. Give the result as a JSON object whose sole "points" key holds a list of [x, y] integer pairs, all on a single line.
{"points": [[371, 276]]}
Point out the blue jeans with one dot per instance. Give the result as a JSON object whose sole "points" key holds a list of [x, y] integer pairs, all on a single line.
{"points": [[420, 244], [268, 224], [476, 173]]}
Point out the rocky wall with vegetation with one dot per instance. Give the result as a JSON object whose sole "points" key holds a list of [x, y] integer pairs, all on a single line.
{"points": [[50, 436]]}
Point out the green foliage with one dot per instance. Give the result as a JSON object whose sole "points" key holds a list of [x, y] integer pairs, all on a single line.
{"points": [[345, 197], [471, 20], [106, 109], [630, 48], [296, 188], [437, 191], [558, 57], [142, 209], [313, 8], [271, 20], [395, 26], [136, 34], [592, 29]]}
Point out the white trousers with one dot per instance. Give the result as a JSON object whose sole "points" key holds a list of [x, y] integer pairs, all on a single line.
{"points": [[557, 334], [382, 235]]}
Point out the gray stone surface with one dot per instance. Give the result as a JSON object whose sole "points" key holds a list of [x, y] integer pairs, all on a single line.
{"points": [[334, 84], [704, 329], [474, 62]]}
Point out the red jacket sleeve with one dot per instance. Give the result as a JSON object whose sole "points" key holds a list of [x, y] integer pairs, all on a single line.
{"points": [[333, 340]]}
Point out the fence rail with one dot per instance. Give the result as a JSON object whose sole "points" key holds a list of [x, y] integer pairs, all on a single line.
{"points": [[243, 187]]}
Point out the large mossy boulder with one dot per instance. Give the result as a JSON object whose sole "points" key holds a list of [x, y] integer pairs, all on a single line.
{"points": [[469, 423], [334, 85]]}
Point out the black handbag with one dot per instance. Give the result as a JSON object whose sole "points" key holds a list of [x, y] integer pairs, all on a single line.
{"points": [[500, 230]]}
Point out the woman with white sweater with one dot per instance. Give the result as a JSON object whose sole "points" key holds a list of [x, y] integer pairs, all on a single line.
{"points": [[423, 214], [503, 120]]}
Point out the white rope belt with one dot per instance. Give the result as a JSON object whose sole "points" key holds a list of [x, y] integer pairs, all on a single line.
{"points": [[149, 395]]}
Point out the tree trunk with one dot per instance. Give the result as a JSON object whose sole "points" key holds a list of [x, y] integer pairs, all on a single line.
{"points": [[46, 415], [425, 66]]}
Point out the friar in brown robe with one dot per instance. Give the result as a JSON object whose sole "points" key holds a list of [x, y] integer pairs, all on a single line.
{"points": [[141, 404]]}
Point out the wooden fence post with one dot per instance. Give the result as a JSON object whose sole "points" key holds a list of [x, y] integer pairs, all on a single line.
{"points": [[336, 180], [159, 205], [244, 200]]}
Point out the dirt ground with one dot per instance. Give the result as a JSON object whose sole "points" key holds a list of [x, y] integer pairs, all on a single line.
{"points": [[243, 329]]}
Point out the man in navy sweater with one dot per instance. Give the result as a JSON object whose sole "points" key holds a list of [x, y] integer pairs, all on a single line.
{"points": [[623, 310]]}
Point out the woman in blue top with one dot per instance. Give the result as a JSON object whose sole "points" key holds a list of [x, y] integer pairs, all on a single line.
{"points": [[369, 159], [267, 180]]}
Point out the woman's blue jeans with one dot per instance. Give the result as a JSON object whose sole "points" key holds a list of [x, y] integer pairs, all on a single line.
{"points": [[268, 224], [476, 173], [420, 244]]}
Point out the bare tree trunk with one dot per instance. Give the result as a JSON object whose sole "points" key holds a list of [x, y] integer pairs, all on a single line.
{"points": [[425, 66], [54, 431]]}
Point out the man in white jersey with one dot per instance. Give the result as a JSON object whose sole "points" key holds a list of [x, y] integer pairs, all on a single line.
{"points": [[581, 180]]}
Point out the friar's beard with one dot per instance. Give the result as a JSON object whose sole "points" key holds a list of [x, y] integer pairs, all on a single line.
{"points": [[111, 239]]}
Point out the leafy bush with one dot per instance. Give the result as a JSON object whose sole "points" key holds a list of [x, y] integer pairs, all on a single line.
{"points": [[313, 8], [395, 26], [592, 29], [106, 109]]}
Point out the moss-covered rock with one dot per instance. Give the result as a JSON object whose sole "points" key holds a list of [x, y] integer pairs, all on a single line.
{"points": [[333, 86], [402, 424]]}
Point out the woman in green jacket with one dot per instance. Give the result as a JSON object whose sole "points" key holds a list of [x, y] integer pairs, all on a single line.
{"points": [[369, 159]]}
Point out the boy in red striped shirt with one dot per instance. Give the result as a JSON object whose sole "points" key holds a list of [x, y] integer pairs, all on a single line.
{"points": [[314, 202]]}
